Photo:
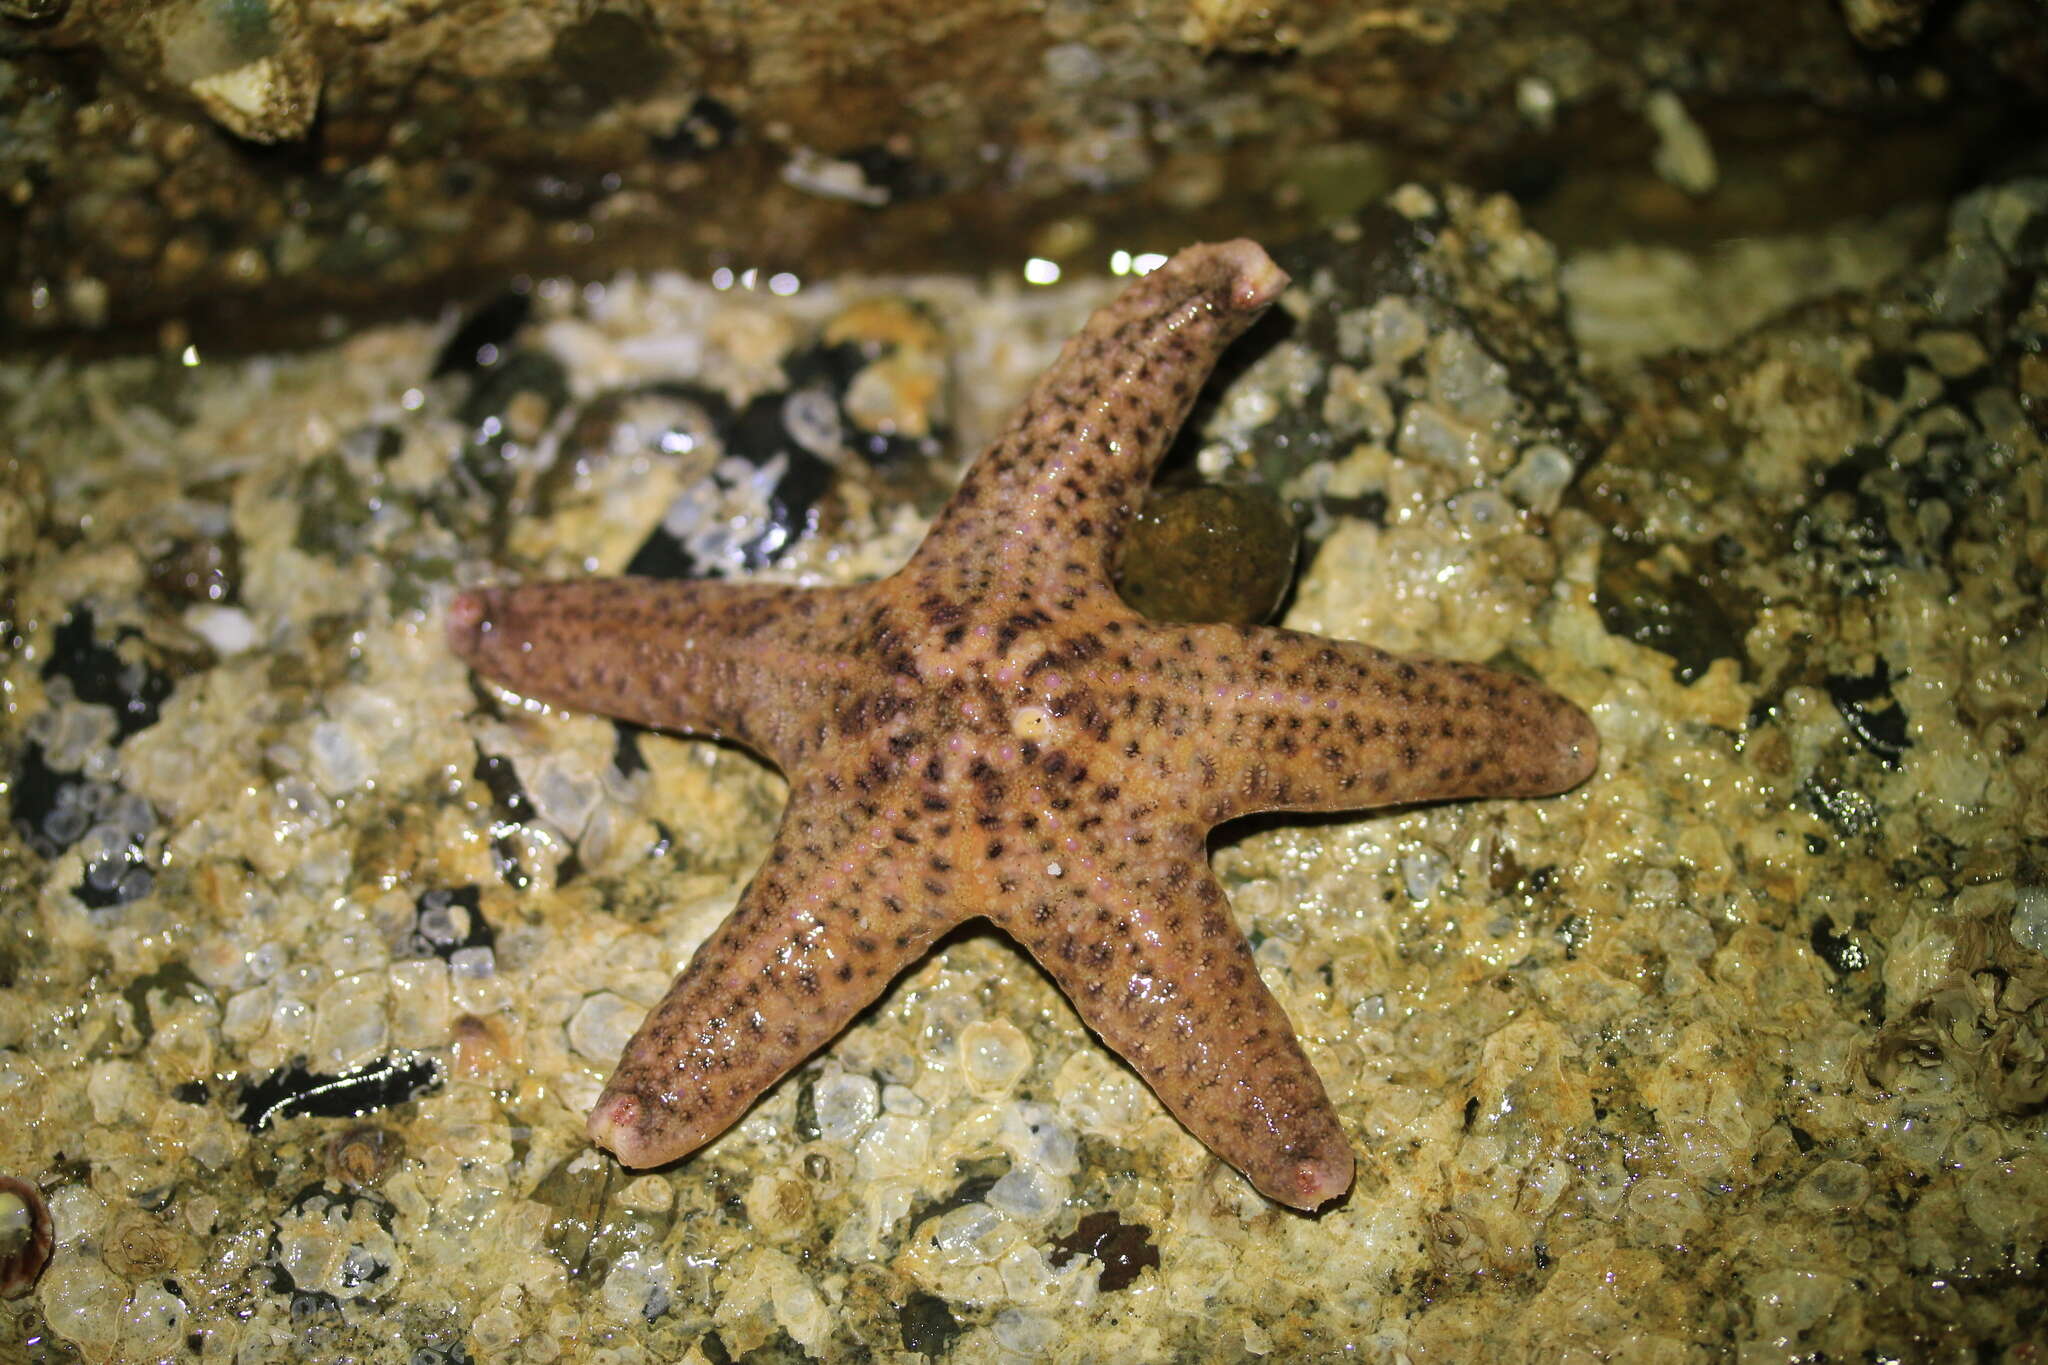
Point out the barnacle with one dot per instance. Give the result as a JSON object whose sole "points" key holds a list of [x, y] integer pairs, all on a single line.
{"points": [[362, 1156], [141, 1246]]}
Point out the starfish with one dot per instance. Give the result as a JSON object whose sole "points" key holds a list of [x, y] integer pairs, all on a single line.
{"points": [[990, 731]]}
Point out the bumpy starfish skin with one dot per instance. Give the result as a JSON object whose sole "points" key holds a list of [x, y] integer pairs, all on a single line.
{"points": [[991, 731]]}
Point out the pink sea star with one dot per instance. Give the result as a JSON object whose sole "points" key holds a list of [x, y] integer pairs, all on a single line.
{"points": [[991, 731]]}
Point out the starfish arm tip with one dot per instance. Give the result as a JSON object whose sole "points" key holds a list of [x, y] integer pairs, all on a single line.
{"points": [[1314, 1181], [1257, 280], [619, 1124], [466, 617], [1578, 751]]}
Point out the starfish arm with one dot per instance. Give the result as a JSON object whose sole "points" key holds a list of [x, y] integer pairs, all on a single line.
{"points": [[1046, 500], [837, 910], [746, 661], [1141, 940], [1288, 721]]}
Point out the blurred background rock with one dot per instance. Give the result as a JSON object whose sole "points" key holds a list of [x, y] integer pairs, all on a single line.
{"points": [[244, 171]]}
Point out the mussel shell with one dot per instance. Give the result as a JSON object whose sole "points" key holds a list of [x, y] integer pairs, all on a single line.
{"points": [[26, 1236]]}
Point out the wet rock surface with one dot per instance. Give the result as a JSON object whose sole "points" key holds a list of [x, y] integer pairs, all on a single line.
{"points": [[1736, 1048], [207, 170]]}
